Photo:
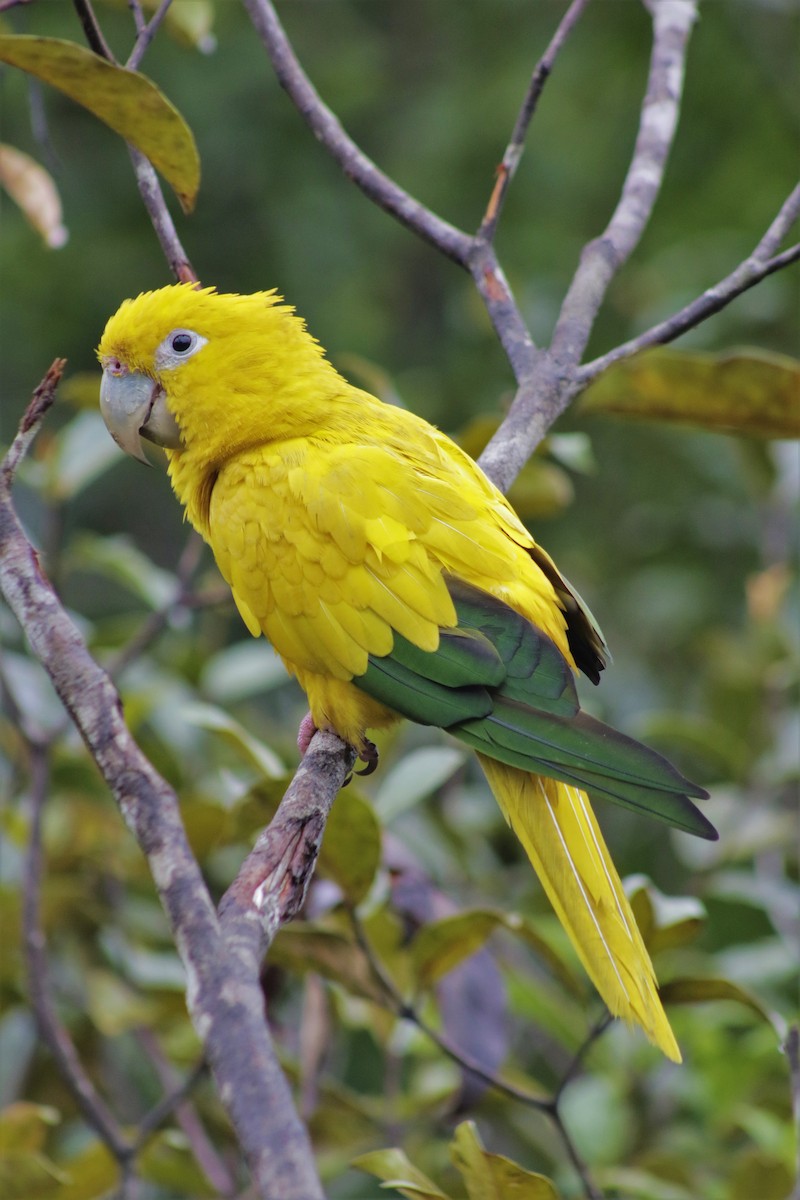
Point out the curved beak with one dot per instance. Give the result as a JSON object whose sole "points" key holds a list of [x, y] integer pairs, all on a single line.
{"points": [[133, 406]]}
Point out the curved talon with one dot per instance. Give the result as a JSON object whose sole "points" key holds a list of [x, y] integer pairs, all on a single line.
{"points": [[369, 755]]}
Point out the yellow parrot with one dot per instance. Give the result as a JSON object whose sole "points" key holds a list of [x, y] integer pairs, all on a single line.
{"points": [[394, 580]]}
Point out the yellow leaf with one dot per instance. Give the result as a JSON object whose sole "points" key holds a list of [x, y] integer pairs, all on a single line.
{"points": [[351, 848], [129, 103], [493, 1176], [189, 21], [746, 391], [310, 947], [33, 191], [700, 991], [442, 945], [396, 1171]]}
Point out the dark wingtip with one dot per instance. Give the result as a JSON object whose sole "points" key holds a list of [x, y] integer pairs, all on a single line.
{"points": [[706, 829]]}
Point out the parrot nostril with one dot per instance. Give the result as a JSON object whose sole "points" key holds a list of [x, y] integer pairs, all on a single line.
{"points": [[115, 366]]}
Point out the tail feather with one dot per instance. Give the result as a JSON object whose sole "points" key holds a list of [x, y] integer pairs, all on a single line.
{"points": [[556, 825]]}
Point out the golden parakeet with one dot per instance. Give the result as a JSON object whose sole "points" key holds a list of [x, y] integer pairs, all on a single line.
{"points": [[394, 580]]}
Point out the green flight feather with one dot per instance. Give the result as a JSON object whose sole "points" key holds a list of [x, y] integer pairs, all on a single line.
{"points": [[590, 755], [499, 684], [418, 696]]}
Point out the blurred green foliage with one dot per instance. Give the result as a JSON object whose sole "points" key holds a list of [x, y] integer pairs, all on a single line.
{"points": [[682, 542]]}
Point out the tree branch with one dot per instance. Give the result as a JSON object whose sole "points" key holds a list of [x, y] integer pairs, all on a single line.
{"points": [[176, 1101], [271, 884], [146, 33], [513, 154], [328, 130], [146, 179], [602, 258], [761, 263], [553, 382], [548, 1105], [92, 30], [153, 199], [225, 1001], [51, 1030]]}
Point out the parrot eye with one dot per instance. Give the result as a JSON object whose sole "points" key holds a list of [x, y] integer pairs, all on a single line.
{"points": [[178, 345]]}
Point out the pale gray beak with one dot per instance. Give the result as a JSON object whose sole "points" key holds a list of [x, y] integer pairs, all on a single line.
{"points": [[133, 406]]}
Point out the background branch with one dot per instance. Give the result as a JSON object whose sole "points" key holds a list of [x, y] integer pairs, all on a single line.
{"points": [[514, 150], [51, 1029], [326, 127], [761, 263]]}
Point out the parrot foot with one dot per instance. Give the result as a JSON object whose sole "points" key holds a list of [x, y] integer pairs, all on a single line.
{"points": [[305, 733], [369, 755]]}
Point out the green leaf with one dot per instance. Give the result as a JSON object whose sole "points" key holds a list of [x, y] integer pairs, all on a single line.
{"points": [[309, 947], [25, 1172], [167, 1160], [115, 1007], [129, 103], [441, 945], [748, 391], [397, 1171], [80, 455], [699, 991], [207, 716], [24, 1126], [92, 1173], [416, 776], [664, 921], [351, 846], [636, 1184], [119, 559], [493, 1176], [247, 668], [526, 929]]}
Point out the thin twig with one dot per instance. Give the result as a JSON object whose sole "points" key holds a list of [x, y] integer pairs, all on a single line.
{"points": [[327, 128], [92, 30], [513, 154], [757, 266], [145, 35], [548, 1105], [602, 258], [397, 1003], [42, 400], [139, 19], [597, 1030], [553, 382], [146, 178], [153, 199], [176, 1102]]}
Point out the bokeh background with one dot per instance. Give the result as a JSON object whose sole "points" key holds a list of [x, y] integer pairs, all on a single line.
{"points": [[682, 542]]}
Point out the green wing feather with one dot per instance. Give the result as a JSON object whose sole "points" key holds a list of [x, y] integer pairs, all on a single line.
{"points": [[499, 684]]}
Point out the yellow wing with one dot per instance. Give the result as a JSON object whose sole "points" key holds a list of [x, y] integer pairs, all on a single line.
{"points": [[330, 548]]}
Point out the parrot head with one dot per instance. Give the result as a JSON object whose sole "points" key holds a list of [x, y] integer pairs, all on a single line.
{"points": [[187, 367]]}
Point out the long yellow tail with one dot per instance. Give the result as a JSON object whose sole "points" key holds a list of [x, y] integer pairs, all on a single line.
{"points": [[558, 829]]}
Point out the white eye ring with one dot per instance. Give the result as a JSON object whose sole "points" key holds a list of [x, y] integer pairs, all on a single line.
{"points": [[177, 346]]}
